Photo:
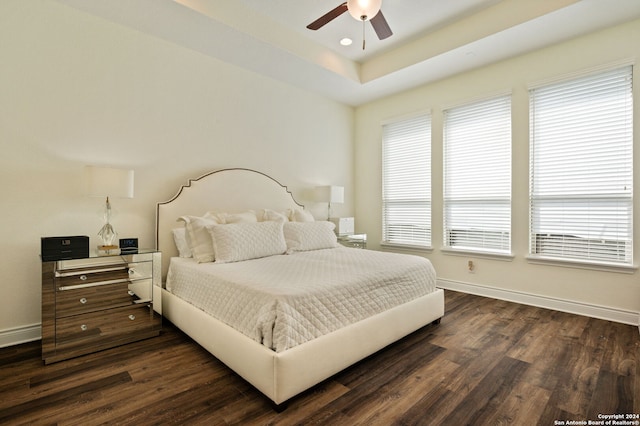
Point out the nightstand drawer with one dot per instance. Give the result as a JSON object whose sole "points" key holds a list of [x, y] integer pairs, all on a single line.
{"points": [[101, 275], [105, 326], [140, 270], [78, 278], [89, 299]]}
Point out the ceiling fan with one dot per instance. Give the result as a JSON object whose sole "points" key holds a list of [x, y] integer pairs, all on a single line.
{"points": [[362, 10]]}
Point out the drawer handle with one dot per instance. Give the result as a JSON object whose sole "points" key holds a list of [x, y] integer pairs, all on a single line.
{"points": [[83, 300], [132, 271], [131, 293], [83, 277], [132, 317], [84, 327]]}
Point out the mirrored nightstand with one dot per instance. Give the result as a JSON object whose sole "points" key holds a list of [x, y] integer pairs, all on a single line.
{"points": [[98, 302], [354, 241]]}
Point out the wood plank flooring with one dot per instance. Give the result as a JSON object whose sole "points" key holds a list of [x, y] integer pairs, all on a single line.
{"points": [[489, 362]]}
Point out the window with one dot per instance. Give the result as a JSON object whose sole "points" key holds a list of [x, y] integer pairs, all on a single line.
{"points": [[406, 182], [581, 169], [477, 176]]}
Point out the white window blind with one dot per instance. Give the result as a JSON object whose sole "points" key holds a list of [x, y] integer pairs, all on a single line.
{"points": [[477, 176], [581, 170], [406, 182]]}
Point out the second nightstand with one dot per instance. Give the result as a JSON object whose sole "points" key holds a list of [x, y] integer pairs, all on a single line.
{"points": [[355, 240]]}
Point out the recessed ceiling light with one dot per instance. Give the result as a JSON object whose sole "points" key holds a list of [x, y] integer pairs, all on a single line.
{"points": [[346, 41]]}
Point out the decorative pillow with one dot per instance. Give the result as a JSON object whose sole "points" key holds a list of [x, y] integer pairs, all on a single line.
{"points": [[244, 217], [244, 241], [297, 215], [180, 239], [273, 216], [199, 238], [305, 236]]}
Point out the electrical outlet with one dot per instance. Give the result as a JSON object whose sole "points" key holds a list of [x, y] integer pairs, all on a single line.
{"points": [[471, 266]]}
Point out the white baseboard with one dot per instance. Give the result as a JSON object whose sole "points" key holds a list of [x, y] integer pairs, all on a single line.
{"points": [[573, 307], [15, 336]]}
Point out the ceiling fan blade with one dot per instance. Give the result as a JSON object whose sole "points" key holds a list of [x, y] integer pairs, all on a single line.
{"points": [[380, 26], [325, 19]]}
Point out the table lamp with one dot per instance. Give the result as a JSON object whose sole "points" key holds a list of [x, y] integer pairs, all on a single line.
{"points": [[330, 194], [109, 183]]}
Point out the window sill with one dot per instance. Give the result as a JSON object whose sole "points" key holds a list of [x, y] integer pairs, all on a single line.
{"points": [[506, 257], [406, 247], [594, 266]]}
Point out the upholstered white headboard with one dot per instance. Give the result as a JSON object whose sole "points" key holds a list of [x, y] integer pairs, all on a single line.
{"points": [[228, 190]]}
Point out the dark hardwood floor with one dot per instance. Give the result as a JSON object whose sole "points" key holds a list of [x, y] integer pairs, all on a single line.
{"points": [[488, 363]]}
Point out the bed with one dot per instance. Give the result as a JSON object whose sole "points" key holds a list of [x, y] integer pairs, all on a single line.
{"points": [[282, 367]]}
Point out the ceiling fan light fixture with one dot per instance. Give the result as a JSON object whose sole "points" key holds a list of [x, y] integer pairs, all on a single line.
{"points": [[346, 41], [363, 10]]}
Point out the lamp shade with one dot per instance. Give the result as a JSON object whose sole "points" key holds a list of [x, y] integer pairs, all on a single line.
{"points": [[109, 182], [364, 10], [331, 194]]}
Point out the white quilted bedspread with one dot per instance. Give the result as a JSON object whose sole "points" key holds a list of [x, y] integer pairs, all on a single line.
{"points": [[285, 300]]}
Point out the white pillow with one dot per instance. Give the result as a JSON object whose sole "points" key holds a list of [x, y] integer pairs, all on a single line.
{"points": [[244, 217], [271, 215], [297, 215], [304, 236], [180, 239], [244, 241], [199, 238]]}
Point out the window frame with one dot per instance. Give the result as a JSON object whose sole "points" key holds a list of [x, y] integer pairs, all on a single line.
{"points": [[420, 180], [461, 194], [580, 249]]}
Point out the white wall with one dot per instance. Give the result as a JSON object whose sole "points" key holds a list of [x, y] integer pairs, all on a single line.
{"points": [[77, 90], [517, 279]]}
